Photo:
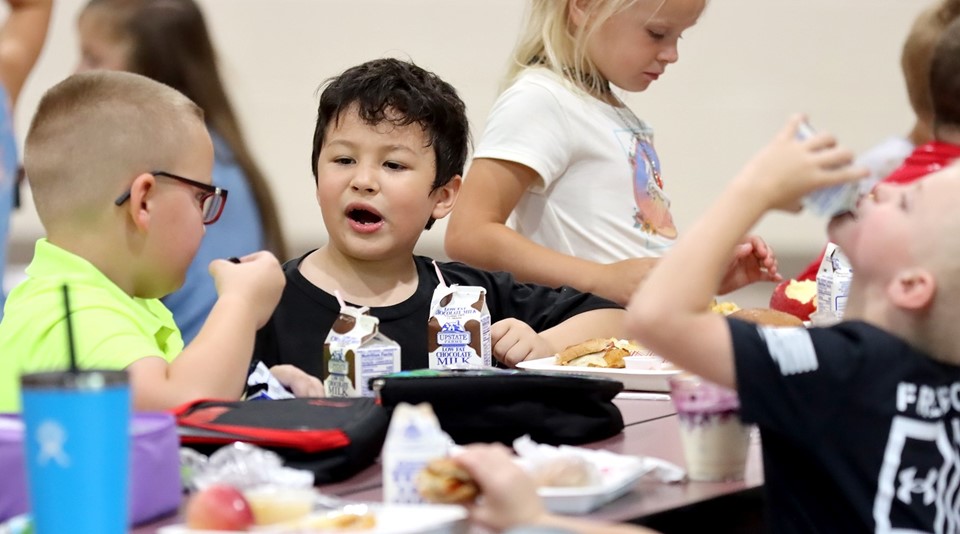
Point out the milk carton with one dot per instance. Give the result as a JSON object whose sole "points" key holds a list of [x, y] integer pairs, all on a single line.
{"points": [[413, 439], [458, 331], [355, 351], [833, 286], [829, 201]]}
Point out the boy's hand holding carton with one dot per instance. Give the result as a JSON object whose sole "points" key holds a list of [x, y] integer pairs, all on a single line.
{"points": [[672, 304], [787, 169]]}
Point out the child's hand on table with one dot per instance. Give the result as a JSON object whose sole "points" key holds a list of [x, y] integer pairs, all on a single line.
{"points": [[515, 341], [297, 381]]}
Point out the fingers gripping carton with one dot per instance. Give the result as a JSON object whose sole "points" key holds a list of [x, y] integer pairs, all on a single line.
{"points": [[458, 331], [833, 286], [355, 351]]}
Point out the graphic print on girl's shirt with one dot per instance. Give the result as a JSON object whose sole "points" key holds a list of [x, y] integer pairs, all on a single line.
{"points": [[653, 207]]}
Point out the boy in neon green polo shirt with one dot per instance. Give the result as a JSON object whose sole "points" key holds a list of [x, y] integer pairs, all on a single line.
{"points": [[119, 167]]}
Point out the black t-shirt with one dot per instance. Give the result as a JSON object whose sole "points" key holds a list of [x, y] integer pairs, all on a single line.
{"points": [[860, 430], [299, 326]]}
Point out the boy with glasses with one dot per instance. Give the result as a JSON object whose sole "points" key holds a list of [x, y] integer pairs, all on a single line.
{"points": [[108, 156]]}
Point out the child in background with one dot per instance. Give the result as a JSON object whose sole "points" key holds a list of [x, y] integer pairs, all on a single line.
{"points": [[915, 60], [388, 149], [934, 142], [859, 421], [167, 40], [21, 40], [572, 165], [119, 167]]}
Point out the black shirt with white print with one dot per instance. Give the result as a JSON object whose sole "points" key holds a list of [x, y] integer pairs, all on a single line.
{"points": [[299, 326], [860, 430]]}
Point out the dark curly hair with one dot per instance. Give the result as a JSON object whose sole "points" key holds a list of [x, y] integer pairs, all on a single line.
{"points": [[401, 93]]}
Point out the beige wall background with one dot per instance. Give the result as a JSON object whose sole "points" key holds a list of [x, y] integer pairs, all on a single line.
{"points": [[743, 69]]}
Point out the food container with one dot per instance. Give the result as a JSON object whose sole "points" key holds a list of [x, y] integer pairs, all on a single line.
{"points": [[646, 362], [276, 505], [155, 484]]}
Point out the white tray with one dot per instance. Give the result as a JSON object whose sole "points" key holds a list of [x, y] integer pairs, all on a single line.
{"points": [[391, 519], [618, 475], [634, 379]]}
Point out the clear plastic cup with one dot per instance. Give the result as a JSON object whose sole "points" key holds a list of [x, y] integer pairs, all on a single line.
{"points": [[715, 440]]}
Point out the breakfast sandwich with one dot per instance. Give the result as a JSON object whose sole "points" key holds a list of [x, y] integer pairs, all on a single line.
{"points": [[443, 481], [598, 352]]}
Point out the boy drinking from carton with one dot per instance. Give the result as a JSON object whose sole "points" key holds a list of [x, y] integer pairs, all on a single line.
{"points": [[388, 153], [119, 167], [860, 421]]}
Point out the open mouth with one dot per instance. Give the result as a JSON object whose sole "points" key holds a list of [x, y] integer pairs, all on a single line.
{"points": [[364, 216], [842, 219]]}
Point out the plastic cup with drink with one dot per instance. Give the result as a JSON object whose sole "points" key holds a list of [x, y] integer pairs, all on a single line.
{"points": [[714, 439]]}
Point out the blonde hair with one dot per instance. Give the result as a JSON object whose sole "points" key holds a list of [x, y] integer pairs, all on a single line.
{"points": [[93, 133], [550, 41]]}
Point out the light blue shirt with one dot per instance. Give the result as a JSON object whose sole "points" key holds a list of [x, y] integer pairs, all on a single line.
{"points": [[8, 182], [238, 232]]}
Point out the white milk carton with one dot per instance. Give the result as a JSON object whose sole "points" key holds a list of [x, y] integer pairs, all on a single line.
{"points": [[355, 351], [413, 439], [829, 201], [833, 286], [458, 331]]}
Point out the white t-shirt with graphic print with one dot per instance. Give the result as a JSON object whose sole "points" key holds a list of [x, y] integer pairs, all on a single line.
{"points": [[599, 196]]}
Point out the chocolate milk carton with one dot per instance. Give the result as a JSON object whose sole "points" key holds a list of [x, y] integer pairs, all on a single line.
{"points": [[355, 351], [458, 331], [833, 286]]}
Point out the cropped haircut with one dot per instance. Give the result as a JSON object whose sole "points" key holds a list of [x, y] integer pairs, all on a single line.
{"points": [[169, 42], [945, 78], [551, 41], [401, 93], [93, 133], [917, 55], [940, 251]]}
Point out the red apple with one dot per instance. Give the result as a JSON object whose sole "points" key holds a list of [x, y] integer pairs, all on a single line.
{"points": [[219, 507], [796, 297]]}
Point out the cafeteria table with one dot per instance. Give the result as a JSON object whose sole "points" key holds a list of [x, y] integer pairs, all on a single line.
{"points": [[651, 429]]}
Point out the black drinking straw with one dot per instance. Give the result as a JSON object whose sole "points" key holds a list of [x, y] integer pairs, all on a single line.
{"points": [[72, 351]]}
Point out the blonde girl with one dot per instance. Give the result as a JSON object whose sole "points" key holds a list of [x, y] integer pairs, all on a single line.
{"points": [[572, 165]]}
